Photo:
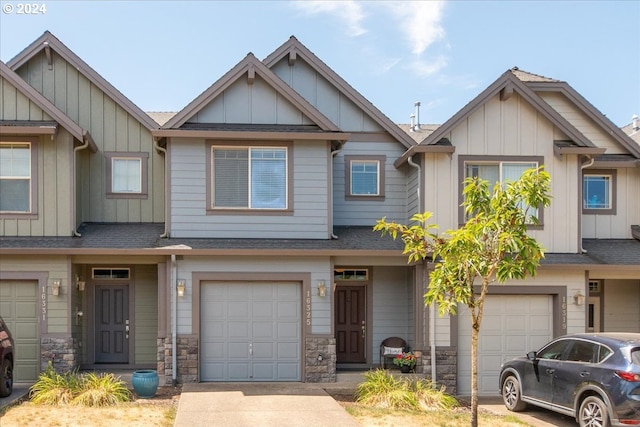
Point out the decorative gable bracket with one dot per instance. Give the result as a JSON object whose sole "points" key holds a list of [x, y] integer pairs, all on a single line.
{"points": [[47, 52]]}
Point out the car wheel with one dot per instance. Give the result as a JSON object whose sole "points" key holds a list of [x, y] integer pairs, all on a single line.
{"points": [[593, 413], [6, 378], [511, 395]]}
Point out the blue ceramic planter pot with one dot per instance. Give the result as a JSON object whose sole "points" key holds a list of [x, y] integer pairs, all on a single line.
{"points": [[145, 383]]}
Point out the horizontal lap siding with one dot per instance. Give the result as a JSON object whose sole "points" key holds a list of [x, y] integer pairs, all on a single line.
{"points": [[189, 217]]}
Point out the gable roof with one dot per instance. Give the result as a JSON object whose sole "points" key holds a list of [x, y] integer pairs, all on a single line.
{"points": [[47, 106], [508, 82], [294, 48], [589, 110], [250, 66], [48, 41]]}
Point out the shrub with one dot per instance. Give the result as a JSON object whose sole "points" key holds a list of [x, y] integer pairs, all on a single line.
{"points": [[381, 389], [89, 389]]}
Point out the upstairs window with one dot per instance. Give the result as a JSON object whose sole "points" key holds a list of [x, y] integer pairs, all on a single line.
{"points": [[17, 178], [498, 170], [598, 192], [126, 174], [249, 177], [364, 177]]}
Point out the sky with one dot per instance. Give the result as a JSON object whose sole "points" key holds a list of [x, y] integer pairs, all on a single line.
{"points": [[162, 54]]}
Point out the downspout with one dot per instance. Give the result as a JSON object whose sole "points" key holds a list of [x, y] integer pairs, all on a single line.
{"points": [[432, 308], [166, 188], [174, 322], [583, 167], [75, 201], [334, 153]]}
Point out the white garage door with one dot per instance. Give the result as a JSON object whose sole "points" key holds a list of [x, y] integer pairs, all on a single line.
{"points": [[18, 308], [512, 325], [250, 332]]}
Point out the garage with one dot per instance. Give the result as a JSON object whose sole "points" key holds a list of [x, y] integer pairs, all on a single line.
{"points": [[512, 325], [18, 308], [250, 331]]}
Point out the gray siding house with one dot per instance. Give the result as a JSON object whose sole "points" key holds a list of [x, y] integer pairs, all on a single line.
{"points": [[233, 240]]}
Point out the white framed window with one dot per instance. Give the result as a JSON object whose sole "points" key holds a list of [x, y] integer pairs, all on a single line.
{"points": [[498, 169], [250, 177], [364, 177], [598, 192], [126, 174], [17, 178]]}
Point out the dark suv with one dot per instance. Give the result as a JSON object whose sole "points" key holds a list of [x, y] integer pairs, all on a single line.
{"points": [[6, 360], [592, 377]]}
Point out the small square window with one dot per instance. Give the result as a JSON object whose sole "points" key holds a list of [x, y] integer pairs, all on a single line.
{"points": [[364, 176], [127, 175], [598, 192]]}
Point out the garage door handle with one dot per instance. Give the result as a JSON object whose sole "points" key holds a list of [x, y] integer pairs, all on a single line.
{"points": [[550, 371], [584, 374]]}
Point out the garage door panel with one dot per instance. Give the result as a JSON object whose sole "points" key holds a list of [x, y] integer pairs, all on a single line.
{"points": [[515, 324], [262, 317]]}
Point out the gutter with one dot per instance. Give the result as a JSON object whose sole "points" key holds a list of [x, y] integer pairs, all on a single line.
{"points": [[432, 307], [583, 167], [333, 155], [165, 233], [85, 145]]}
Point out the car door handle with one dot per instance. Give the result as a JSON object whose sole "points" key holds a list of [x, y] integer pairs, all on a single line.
{"points": [[584, 374], [550, 371]]}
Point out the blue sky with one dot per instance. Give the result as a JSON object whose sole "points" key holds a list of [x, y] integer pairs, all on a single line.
{"points": [[162, 54]]}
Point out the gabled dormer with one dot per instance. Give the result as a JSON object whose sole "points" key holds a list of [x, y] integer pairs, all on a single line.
{"points": [[366, 185], [249, 157], [124, 180], [38, 145]]}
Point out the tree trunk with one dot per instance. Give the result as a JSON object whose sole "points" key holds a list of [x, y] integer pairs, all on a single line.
{"points": [[475, 330]]}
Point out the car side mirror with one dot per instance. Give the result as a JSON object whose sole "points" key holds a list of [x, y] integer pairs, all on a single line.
{"points": [[532, 355]]}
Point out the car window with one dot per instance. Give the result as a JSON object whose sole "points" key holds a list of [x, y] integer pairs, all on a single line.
{"points": [[554, 350], [584, 351], [635, 356], [603, 353]]}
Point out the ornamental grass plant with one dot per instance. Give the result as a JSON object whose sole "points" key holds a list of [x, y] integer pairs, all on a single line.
{"points": [[382, 390]]}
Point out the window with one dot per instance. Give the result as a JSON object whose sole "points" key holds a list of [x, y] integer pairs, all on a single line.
{"points": [[364, 176], [351, 274], [598, 192], [127, 175], [554, 351], [18, 177], [249, 177], [497, 170]]}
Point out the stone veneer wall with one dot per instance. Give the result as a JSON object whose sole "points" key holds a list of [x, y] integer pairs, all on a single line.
{"points": [[61, 351], [187, 360], [320, 360], [446, 367]]}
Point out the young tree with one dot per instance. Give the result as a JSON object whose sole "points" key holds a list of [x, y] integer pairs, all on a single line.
{"points": [[493, 245]]}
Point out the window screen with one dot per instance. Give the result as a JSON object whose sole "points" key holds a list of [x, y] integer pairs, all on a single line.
{"points": [[15, 177]]}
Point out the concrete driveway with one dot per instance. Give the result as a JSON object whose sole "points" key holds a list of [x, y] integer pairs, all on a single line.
{"points": [[20, 390], [534, 416], [259, 404]]}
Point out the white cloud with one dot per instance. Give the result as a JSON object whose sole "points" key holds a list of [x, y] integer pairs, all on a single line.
{"points": [[420, 21], [427, 67], [350, 11]]}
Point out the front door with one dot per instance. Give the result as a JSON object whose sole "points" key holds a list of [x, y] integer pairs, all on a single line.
{"points": [[112, 324], [350, 323]]}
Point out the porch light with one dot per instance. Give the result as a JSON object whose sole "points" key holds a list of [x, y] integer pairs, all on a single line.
{"points": [[181, 287], [80, 284], [55, 287], [578, 298], [322, 289]]}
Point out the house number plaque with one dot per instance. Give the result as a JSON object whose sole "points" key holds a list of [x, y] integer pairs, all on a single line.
{"points": [[307, 306], [43, 303]]}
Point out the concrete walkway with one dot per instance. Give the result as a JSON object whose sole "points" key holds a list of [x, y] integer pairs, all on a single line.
{"points": [[259, 404]]}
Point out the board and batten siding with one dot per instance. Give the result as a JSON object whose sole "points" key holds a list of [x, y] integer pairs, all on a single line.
{"points": [[580, 120], [256, 103], [607, 226], [319, 268], [368, 212], [325, 97], [508, 128], [621, 302], [189, 217], [112, 129]]}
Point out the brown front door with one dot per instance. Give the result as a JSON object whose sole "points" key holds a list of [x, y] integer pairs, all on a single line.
{"points": [[112, 324], [350, 316]]}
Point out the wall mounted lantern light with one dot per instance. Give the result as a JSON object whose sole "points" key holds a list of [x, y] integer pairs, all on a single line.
{"points": [[578, 298], [322, 289], [80, 284], [55, 287], [181, 287]]}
